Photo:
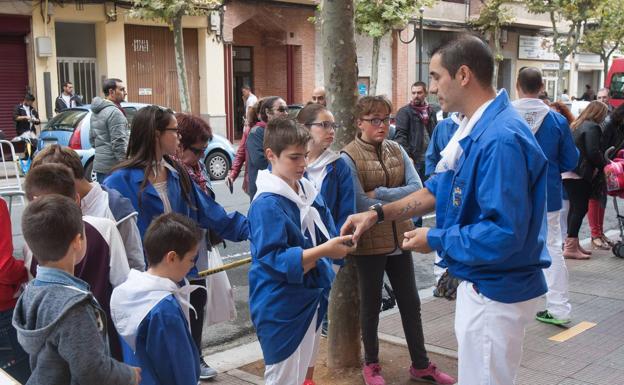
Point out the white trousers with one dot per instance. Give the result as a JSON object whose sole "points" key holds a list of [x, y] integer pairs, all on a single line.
{"points": [[565, 209], [292, 371], [489, 337], [557, 301]]}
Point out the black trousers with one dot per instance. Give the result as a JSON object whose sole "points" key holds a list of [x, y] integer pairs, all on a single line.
{"points": [[198, 301], [400, 270], [579, 191]]}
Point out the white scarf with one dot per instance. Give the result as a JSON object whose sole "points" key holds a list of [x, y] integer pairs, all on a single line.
{"points": [[134, 299], [317, 170], [453, 151], [533, 111], [269, 183]]}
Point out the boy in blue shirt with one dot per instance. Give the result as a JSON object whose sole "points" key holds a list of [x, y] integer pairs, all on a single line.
{"points": [[151, 311], [290, 276]]}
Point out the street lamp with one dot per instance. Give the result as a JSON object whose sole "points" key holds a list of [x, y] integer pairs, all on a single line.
{"points": [[420, 45], [419, 48]]}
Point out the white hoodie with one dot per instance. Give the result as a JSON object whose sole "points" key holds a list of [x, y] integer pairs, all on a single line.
{"points": [[533, 111], [134, 299]]}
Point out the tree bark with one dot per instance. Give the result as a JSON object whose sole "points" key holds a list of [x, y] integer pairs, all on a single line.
{"points": [[341, 73], [497, 54], [375, 66], [178, 44]]}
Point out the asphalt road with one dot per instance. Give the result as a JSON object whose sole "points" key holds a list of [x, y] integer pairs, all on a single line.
{"points": [[222, 336]]}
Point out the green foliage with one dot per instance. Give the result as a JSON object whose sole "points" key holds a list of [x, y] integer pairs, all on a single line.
{"points": [[376, 18], [493, 15], [606, 34], [168, 10]]}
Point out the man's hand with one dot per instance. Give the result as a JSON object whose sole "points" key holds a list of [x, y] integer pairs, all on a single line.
{"points": [[357, 224], [416, 240]]}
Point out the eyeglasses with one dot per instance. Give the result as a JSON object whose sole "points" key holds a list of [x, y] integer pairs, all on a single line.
{"points": [[326, 125], [281, 109], [377, 121], [197, 151]]}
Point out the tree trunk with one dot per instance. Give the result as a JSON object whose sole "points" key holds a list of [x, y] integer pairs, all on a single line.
{"points": [[497, 55], [178, 44], [605, 67], [375, 66], [341, 73], [559, 78]]}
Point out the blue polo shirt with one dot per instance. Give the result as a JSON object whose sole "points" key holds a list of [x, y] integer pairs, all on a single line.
{"points": [[491, 210]]}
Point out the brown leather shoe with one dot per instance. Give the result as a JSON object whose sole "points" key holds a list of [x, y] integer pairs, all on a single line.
{"points": [[571, 249]]}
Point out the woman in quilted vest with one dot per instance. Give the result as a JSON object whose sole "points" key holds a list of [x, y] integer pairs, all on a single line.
{"points": [[382, 173]]}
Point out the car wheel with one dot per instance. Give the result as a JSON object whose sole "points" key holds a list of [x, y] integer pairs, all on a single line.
{"points": [[89, 173], [218, 165]]}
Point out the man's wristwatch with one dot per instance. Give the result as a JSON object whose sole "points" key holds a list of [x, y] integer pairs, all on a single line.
{"points": [[377, 207]]}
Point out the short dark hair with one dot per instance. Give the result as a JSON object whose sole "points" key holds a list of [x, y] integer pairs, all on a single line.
{"points": [[49, 225], [170, 232], [110, 84], [468, 50], [267, 104], [65, 84], [308, 114], [371, 104], [193, 129], [530, 80], [420, 84], [283, 132], [60, 155], [246, 87], [29, 97], [51, 178]]}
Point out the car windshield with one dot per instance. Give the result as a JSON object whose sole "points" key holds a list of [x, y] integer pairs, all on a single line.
{"points": [[617, 86], [65, 121]]}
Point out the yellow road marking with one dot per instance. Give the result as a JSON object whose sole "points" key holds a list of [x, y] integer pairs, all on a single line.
{"points": [[572, 332]]}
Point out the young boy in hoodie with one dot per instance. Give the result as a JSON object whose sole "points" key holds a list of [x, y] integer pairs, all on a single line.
{"points": [[59, 323], [105, 264], [555, 139], [99, 201], [291, 233], [151, 311]]}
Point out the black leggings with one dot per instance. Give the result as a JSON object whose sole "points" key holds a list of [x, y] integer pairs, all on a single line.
{"points": [[579, 192], [198, 300], [400, 270]]}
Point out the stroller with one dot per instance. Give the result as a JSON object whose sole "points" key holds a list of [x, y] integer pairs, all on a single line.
{"points": [[614, 176]]}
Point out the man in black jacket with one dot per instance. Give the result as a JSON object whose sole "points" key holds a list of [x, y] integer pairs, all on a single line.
{"points": [[67, 99], [414, 125], [25, 116]]}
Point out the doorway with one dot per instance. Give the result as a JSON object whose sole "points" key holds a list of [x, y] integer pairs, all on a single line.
{"points": [[242, 58]]}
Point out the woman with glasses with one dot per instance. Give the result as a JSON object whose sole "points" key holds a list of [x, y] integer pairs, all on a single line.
{"points": [[382, 172], [272, 107], [156, 183]]}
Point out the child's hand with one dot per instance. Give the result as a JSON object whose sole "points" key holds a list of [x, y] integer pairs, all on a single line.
{"points": [[138, 375], [339, 247]]}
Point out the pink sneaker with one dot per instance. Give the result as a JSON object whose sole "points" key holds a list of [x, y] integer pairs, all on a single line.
{"points": [[431, 374], [372, 374]]}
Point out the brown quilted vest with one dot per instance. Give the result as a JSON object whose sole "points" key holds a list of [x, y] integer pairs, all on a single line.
{"points": [[379, 166]]}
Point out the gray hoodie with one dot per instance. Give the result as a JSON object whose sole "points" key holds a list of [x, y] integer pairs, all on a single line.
{"points": [[63, 330], [108, 135]]}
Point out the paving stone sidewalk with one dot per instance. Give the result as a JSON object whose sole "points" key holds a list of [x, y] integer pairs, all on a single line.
{"points": [[595, 356]]}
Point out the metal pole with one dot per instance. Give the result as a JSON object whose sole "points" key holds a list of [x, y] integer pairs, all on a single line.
{"points": [[420, 46]]}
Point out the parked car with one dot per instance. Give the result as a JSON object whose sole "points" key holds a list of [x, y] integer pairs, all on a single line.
{"points": [[71, 128], [615, 82]]}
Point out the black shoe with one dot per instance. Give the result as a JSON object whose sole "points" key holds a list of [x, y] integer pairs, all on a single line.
{"points": [[205, 371]]}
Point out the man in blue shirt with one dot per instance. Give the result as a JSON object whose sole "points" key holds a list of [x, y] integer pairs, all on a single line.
{"points": [[555, 138], [489, 193]]}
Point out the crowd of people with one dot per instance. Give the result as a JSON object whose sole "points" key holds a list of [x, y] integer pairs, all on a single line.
{"points": [[110, 289]]}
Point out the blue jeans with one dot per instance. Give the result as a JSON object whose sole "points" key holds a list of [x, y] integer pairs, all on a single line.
{"points": [[13, 359]]}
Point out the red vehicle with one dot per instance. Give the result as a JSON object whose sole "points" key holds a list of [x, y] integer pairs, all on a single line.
{"points": [[615, 82]]}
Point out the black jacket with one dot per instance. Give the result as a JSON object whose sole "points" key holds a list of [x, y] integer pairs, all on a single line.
{"points": [[60, 104], [411, 133], [588, 139], [612, 136], [24, 125]]}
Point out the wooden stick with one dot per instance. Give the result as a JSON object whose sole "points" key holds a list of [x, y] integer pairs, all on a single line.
{"points": [[225, 267]]}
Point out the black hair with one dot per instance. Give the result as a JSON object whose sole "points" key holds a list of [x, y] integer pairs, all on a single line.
{"points": [[29, 97], [110, 84], [65, 84], [267, 104], [530, 80], [420, 84], [170, 232], [468, 50]]}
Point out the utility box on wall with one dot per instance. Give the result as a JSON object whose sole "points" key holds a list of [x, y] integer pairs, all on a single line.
{"points": [[44, 46]]}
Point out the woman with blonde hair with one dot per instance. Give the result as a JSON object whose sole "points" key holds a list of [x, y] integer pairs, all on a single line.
{"points": [[579, 183]]}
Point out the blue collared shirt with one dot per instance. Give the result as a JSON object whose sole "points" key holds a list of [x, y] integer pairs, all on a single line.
{"points": [[491, 210]]}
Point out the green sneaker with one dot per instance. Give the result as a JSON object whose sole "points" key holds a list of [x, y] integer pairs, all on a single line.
{"points": [[546, 317]]}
